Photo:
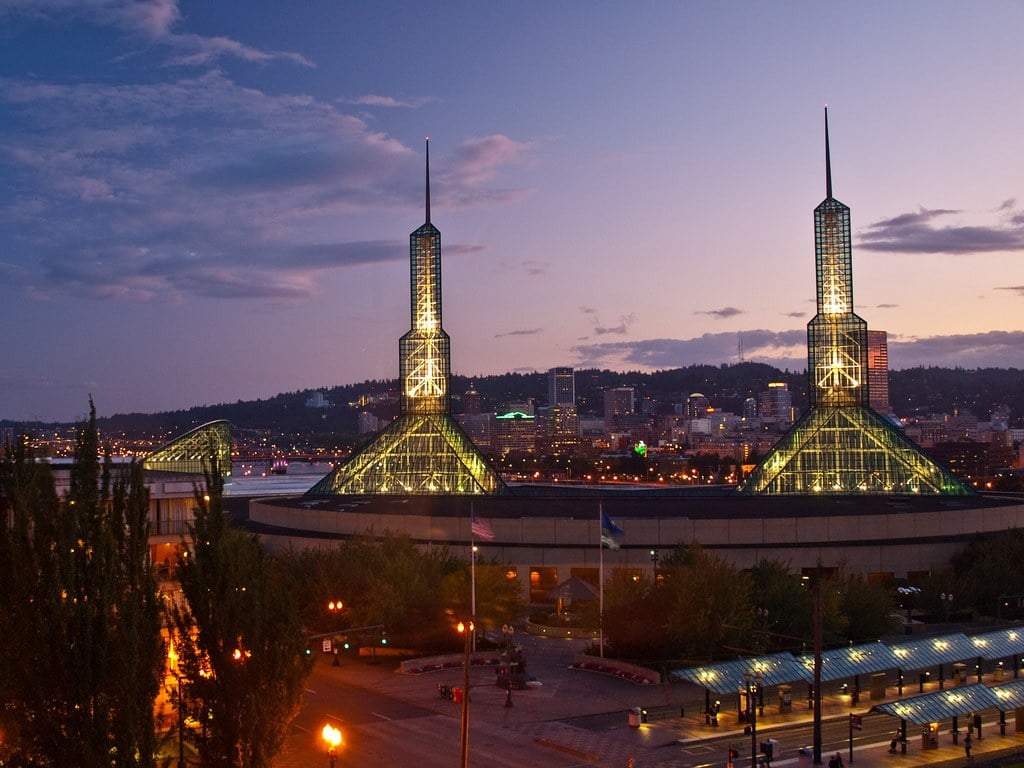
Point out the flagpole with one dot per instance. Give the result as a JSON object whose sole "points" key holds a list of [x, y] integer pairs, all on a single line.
{"points": [[600, 579], [472, 573]]}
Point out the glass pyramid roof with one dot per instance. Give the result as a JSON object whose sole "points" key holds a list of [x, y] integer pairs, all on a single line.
{"points": [[416, 454], [195, 451], [849, 450]]}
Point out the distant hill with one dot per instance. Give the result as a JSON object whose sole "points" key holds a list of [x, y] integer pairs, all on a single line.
{"points": [[915, 391]]}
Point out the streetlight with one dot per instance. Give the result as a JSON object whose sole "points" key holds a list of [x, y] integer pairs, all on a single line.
{"points": [[655, 557], [753, 685], [467, 632], [908, 593], [332, 737], [947, 601], [335, 607], [507, 630]]}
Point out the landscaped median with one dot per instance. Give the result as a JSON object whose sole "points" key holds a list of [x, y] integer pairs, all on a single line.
{"points": [[448, 661], [623, 669]]}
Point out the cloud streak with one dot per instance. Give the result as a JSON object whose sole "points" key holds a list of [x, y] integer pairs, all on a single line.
{"points": [[522, 332], [788, 350], [722, 314], [927, 231], [153, 21], [117, 193]]}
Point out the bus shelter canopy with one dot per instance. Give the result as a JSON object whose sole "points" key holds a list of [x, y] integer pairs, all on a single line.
{"points": [[843, 663], [932, 651], [942, 705], [728, 676], [1000, 644]]}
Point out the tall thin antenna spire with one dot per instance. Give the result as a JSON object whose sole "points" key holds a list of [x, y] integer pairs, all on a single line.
{"points": [[828, 160], [428, 177]]}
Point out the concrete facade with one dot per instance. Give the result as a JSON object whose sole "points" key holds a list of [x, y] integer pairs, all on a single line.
{"points": [[873, 536]]}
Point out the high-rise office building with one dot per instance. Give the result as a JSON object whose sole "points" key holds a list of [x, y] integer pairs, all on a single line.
{"points": [[472, 401], [561, 386], [619, 405], [619, 401], [842, 446], [424, 451], [697, 405], [878, 371], [776, 403]]}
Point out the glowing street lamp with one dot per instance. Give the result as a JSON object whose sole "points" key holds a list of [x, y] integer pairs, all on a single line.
{"points": [[332, 737], [466, 630]]}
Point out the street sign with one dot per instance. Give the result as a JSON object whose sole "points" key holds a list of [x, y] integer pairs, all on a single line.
{"points": [[856, 722], [326, 644]]}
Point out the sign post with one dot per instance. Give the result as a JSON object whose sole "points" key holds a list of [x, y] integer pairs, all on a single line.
{"points": [[857, 722]]}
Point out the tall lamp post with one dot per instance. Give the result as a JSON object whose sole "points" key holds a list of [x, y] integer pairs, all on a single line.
{"points": [[467, 632], [753, 683], [335, 607], [947, 601], [332, 737], [507, 630]]}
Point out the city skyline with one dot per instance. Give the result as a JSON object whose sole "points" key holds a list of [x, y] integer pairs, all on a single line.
{"points": [[210, 204]]}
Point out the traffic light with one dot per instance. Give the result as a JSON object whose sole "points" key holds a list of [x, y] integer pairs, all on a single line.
{"points": [[733, 753], [308, 651], [383, 639]]}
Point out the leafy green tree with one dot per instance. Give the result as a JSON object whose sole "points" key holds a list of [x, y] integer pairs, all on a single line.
{"points": [[386, 580], [708, 607], [868, 608], [634, 618], [987, 568], [783, 608], [80, 642], [239, 640]]}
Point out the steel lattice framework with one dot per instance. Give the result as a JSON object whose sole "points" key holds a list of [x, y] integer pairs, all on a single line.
{"points": [[424, 451], [414, 455], [849, 450], [196, 451], [424, 353], [841, 446]]}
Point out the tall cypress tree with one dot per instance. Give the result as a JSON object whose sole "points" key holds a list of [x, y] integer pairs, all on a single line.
{"points": [[239, 640], [80, 648]]}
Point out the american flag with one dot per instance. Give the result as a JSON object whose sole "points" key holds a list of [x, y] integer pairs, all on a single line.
{"points": [[480, 529]]}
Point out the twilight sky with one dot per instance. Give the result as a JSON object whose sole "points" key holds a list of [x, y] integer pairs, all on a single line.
{"points": [[203, 202]]}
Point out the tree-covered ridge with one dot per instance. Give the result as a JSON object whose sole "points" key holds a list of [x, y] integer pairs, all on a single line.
{"points": [[913, 392]]}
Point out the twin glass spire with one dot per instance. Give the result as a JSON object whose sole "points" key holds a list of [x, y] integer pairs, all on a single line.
{"points": [[425, 450], [841, 446]]}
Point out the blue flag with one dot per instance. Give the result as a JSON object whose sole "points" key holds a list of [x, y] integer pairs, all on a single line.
{"points": [[609, 530]]}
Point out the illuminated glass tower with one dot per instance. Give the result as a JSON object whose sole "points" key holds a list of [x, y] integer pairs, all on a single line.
{"points": [[196, 451], [841, 446], [424, 451]]}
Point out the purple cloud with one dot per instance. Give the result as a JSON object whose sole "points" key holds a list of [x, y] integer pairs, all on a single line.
{"points": [[153, 21], [722, 314], [522, 332], [922, 232], [116, 194], [993, 349], [785, 349]]}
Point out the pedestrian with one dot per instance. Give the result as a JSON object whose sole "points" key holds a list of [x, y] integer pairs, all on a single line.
{"points": [[967, 745], [832, 762], [839, 760], [894, 742]]}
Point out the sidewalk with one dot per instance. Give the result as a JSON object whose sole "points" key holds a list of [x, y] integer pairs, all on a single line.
{"points": [[582, 718]]}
